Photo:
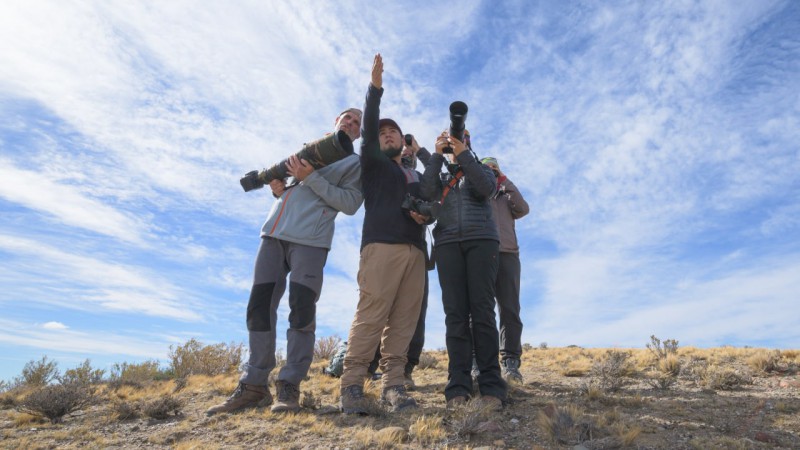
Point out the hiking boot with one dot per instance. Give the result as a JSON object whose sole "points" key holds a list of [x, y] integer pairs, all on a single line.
{"points": [[510, 371], [397, 398], [245, 396], [353, 401], [491, 403], [288, 397], [408, 382], [455, 402]]}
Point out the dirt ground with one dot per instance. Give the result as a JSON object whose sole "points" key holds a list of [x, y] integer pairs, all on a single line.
{"points": [[572, 398]]}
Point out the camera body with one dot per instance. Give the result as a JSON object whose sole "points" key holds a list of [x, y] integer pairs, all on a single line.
{"points": [[419, 206]]}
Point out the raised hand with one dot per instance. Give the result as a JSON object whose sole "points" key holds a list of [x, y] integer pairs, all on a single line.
{"points": [[377, 71]]}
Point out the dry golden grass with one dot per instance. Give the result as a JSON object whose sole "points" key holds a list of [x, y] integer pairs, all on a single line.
{"points": [[427, 430], [634, 416]]}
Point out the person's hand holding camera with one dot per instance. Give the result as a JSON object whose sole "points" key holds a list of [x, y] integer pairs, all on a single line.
{"points": [[411, 146], [278, 187], [298, 168], [419, 218], [445, 140]]}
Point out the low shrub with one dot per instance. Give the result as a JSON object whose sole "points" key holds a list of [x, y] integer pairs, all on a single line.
{"points": [[56, 401], [427, 361], [161, 408], [135, 374], [662, 349], [83, 374], [611, 371], [194, 358], [38, 373], [326, 347]]}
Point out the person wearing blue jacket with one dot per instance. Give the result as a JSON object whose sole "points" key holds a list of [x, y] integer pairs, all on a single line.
{"points": [[295, 241]]}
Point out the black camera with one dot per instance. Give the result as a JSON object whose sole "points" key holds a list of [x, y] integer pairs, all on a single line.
{"points": [[408, 139], [319, 153], [458, 115], [419, 206]]}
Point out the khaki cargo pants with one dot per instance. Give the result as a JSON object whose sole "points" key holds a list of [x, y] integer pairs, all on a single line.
{"points": [[391, 280]]}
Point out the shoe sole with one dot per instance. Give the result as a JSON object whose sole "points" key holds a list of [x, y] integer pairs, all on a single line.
{"points": [[285, 409]]}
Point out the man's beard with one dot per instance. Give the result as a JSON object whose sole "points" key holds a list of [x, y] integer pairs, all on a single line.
{"points": [[392, 153]]}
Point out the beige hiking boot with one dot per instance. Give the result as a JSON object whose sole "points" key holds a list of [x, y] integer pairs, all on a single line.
{"points": [[353, 400], [397, 398], [245, 396], [288, 397]]}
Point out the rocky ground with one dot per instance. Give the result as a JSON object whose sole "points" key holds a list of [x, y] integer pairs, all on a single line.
{"points": [[727, 398]]}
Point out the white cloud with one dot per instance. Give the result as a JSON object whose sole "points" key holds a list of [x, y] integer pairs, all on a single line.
{"points": [[95, 283], [67, 204], [79, 342], [54, 326]]}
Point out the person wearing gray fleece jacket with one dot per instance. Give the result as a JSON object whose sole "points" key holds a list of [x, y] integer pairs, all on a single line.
{"points": [[295, 241]]}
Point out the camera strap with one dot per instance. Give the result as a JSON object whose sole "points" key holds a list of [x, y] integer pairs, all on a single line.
{"points": [[450, 185]]}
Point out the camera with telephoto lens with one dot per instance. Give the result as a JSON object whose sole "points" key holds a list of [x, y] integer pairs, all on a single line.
{"points": [[458, 115], [320, 153], [419, 206]]}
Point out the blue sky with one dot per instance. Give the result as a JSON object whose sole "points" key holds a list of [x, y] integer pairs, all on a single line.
{"points": [[656, 142]]}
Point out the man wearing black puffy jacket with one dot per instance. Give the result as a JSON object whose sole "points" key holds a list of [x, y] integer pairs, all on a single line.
{"points": [[466, 243]]}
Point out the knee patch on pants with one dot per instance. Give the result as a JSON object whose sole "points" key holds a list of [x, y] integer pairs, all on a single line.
{"points": [[302, 302], [259, 315]]}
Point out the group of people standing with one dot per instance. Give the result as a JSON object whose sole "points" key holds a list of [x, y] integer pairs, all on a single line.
{"points": [[477, 258]]}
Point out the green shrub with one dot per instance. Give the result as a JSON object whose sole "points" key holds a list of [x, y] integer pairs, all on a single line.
{"points": [[194, 358]]}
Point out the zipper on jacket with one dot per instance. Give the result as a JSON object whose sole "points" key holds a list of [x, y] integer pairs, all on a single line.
{"points": [[280, 213]]}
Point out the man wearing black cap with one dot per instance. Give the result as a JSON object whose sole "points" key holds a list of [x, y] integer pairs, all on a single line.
{"points": [[391, 274]]}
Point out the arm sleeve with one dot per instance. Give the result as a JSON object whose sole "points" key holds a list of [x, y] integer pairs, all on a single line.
{"points": [[431, 184], [480, 180], [519, 207], [370, 147], [423, 155], [346, 196]]}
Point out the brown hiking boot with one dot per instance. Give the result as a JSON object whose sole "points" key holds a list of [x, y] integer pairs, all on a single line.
{"points": [[397, 398], [353, 401], [245, 396], [288, 397], [491, 403], [455, 402]]}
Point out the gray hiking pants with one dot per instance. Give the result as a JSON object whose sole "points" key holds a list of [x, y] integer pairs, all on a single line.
{"points": [[304, 264]]}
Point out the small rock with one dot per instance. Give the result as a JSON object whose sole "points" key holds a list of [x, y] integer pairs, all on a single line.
{"points": [[490, 426], [515, 421], [499, 443], [764, 437], [787, 383], [327, 409]]}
